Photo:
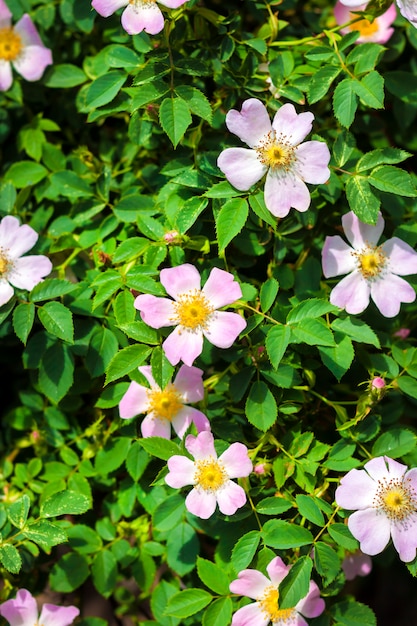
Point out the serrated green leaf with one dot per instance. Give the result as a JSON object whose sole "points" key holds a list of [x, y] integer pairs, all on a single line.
{"points": [[309, 509], [245, 549], [10, 558], [357, 330], [273, 505], [65, 503], [136, 461], [296, 583], [381, 156], [352, 613], [213, 576], [23, 318], [345, 102], [45, 534], [261, 407], [183, 547], [188, 602], [338, 359], [126, 361], [18, 511], [64, 75], [196, 101], [395, 442], [268, 293], [320, 82], [393, 180], [25, 173], [51, 288], [162, 370], [124, 310], [56, 372], [175, 118], [361, 199], [230, 220], [276, 343], [283, 535], [313, 332], [168, 513], [189, 213], [69, 572], [104, 572], [341, 534], [218, 613], [309, 309], [150, 92], [326, 562], [57, 320], [160, 447], [101, 350], [370, 90], [104, 89]]}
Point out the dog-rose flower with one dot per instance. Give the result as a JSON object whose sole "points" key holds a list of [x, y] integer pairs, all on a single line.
{"points": [[23, 611], [275, 150], [20, 47], [166, 406], [384, 497], [377, 31], [373, 271], [210, 475], [138, 15], [356, 564], [193, 311], [264, 590], [21, 272]]}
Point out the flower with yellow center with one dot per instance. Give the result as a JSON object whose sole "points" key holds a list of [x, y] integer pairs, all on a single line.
{"points": [[139, 15], [23, 611], [10, 44], [384, 498], [210, 475], [378, 30]]}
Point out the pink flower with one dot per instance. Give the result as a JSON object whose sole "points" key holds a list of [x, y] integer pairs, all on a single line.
{"points": [[356, 564], [138, 15], [167, 406], [408, 9], [255, 585], [21, 47], [275, 150], [23, 612], [378, 31], [193, 311], [384, 498], [21, 272], [373, 271], [210, 476], [402, 333]]}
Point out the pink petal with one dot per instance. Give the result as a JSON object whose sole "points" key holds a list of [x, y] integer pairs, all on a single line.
{"points": [[294, 126], [28, 271], [402, 257], [183, 345], [52, 615], [371, 528], [389, 292], [108, 7], [6, 76], [352, 3], [337, 257], [352, 293], [154, 426], [224, 328], [27, 31], [230, 498], [15, 238], [5, 15], [236, 461], [408, 10], [221, 288], [251, 124], [356, 490], [312, 160], [21, 610], [155, 311], [311, 605], [202, 446], [356, 564], [250, 615], [189, 383], [404, 538], [283, 191], [410, 479], [141, 16], [6, 291], [359, 234], [277, 570], [201, 503], [180, 280], [32, 63], [250, 583], [188, 414], [172, 4], [134, 402], [383, 468], [241, 167], [181, 472], [146, 371]]}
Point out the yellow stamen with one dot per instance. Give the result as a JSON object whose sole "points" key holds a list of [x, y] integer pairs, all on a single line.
{"points": [[397, 499], [210, 474], [371, 262], [4, 264], [365, 27], [269, 604], [193, 310], [276, 152], [164, 403], [10, 44]]}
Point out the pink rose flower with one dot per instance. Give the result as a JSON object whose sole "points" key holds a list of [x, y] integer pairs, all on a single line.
{"points": [[138, 15], [384, 498], [21, 47], [275, 150], [408, 9], [210, 476], [21, 272], [373, 271], [255, 585], [378, 31], [193, 311], [23, 611], [166, 406], [356, 564]]}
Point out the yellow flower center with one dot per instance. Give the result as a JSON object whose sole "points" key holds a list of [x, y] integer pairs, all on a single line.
{"points": [[164, 403], [193, 310], [371, 261], [5, 264], [397, 499], [275, 151], [210, 474], [10, 44], [365, 27], [269, 605]]}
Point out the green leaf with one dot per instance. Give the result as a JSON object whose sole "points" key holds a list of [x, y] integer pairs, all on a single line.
{"points": [[196, 101], [18, 511], [192, 209], [261, 407], [69, 573], [268, 293], [126, 361], [365, 56], [51, 288], [218, 613], [395, 442], [150, 92], [230, 220], [123, 308], [57, 320], [23, 318], [339, 358], [370, 90], [276, 343], [352, 613], [296, 583], [104, 89], [341, 534], [159, 600], [162, 370], [320, 82], [357, 330], [258, 206], [102, 349], [104, 572], [213, 576], [70, 185], [283, 535], [361, 199], [136, 461], [402, 85], [393, 180], [168, 513], [313, 332], [65, 503], [188, 602], [345, 102], [160, 447], [45, 534], [25, 173], [273, 505], [130, 249], [381, 156], [64, 75], [183, 547], [175, 118], [112, 455], [408, 386], [245, 549], [309, 509], [10, 558], [84, 539], [56, 372], [309, 309], [326, 562]]}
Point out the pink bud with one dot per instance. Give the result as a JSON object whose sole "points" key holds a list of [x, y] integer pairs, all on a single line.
{"points": [[378, 383], [402, 333], [171, 236], [259, 469]]}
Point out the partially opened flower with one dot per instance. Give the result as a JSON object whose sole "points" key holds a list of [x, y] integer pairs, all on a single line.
{"points": [[138, 15], [21, 272], [384, 498], [377, 31], [20, 47], [264, 590], [210, 476], [356, 564], [166, 406], [373, 271], [408, 9], [23, 611], [275, 150], [193, 311]]}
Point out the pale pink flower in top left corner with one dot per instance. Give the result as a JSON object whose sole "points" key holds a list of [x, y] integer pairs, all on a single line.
{"points": [[23, 611], [138, 15], [21, 272], [20, 46]]}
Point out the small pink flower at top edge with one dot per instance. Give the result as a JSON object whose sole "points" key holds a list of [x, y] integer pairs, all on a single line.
{"points": [[356, 564], [383, 496], [210, 475], [23, 272], [275, 149], [193, 311], [23, 611], [139, 15], [373, 271], [168, 406], [264, 590], [378, 31], [408, 9], [20, 47]]}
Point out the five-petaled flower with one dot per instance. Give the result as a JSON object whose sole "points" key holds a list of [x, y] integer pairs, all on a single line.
{"points": [[23, 611], [373, 271], [377, 31], [255, 585], [166, 406], [21, 272], [384, 498], [210, 475], [138, 15], [275, 150], [20, 46], [193, 311]]}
